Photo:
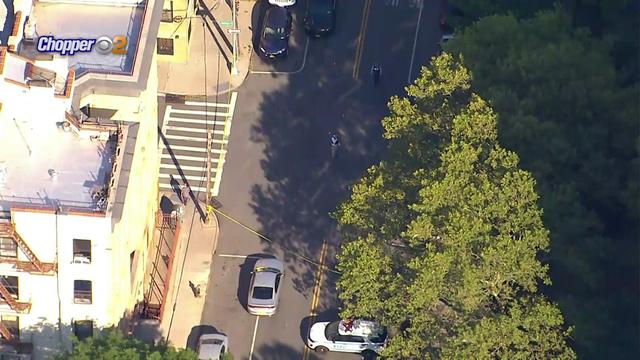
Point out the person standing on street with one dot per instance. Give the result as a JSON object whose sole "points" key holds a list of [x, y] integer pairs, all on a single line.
{"points": [[184, 194], [376, 73]]}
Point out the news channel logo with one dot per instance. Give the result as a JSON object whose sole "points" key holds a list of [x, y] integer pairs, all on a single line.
{"points": [[103, 45]]}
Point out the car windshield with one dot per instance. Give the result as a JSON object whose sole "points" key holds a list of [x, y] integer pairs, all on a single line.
{"points": [[320, 7], [379, 337], [331, 331], [274, 33], [211, 342], [262, 293]]}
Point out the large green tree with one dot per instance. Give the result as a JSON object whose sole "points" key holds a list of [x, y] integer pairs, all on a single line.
{"points": [[562, 109], [443, 235], [112, 345]]}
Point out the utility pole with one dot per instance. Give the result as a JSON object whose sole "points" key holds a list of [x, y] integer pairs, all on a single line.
{"points": [[234, 33]]}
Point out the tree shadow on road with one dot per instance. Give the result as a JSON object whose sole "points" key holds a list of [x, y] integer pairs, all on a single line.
{"points": [[277, 351], [297, 114]]}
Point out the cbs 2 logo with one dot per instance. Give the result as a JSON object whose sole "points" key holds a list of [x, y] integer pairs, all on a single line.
{"points": [[117, 46]]}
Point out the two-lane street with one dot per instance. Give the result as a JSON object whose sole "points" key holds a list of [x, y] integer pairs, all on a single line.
{"points": [[279, 178]]}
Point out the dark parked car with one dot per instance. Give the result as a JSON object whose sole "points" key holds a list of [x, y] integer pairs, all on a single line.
{"points": [[276, 28], [449, 10], [320, 18]]}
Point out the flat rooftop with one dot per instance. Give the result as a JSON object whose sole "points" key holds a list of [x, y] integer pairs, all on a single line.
{"points": [[35, 149], [89, 21]]}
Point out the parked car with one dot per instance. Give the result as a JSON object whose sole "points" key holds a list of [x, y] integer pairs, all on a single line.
{"points": [[282, 3], [276, 29], [449, 10], [212, 347], [320, 18], [351, 336], [264, 291]]}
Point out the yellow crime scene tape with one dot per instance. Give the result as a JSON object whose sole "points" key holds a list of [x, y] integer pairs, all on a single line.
{"points": [[211, 208]]}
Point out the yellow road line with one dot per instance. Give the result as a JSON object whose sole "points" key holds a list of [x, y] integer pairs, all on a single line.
{"points": [[361, 37], [315, 298]]}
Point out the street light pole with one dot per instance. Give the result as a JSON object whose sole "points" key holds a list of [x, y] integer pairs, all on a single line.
{"points": [[234, 32]]}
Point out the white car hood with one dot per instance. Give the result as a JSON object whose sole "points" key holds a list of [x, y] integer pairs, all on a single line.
{"points": [[316, 333]]}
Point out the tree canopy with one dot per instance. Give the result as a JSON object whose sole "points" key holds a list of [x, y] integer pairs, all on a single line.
{"points": [[443, 236], [112, 345], [564, 108]]}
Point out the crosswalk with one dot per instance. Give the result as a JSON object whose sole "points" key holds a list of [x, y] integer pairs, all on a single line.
{"points": [[183, 145]]}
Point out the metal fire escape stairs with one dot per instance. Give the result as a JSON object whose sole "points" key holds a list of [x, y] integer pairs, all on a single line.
{"points": [[34, 265]]}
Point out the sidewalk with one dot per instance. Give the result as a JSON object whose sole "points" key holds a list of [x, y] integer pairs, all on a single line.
{"points": [[211, 45], [196, 244]]}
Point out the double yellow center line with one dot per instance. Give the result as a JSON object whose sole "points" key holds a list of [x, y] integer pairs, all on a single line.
{"points": [[363, 31], [315, 298]]}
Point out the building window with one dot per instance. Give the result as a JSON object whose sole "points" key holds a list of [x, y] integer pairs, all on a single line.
{"points": [[81, 251], [165, 46], [167, 14], [12, 323], [83, 329], [11, 284], [82, 291], [8, 247]]}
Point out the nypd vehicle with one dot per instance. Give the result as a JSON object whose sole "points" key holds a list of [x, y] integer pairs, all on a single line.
{"points": [[282, 3], [350, 336]]}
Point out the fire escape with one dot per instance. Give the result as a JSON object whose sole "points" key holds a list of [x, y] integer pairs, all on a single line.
{"points": [[33, 266]]}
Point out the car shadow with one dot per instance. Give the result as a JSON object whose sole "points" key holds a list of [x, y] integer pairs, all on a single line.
{"points": [[196, 332], [244, 276]]}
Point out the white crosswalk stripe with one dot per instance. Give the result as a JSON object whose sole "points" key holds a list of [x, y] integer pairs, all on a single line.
{"points": [[183, 144]]}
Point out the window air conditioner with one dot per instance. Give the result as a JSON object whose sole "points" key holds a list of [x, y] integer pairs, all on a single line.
{"points": [[81, 260]]}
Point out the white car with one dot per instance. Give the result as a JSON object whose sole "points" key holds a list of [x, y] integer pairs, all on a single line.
{"points": [[212, 347], [264, 291], [353, 336], [282, 3]]}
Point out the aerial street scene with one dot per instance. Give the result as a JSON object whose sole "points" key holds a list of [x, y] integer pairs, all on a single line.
{"points": [[319, 179]]}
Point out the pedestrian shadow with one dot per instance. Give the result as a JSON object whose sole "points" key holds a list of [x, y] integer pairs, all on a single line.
{"points": [[196, 332], [244, 276]]}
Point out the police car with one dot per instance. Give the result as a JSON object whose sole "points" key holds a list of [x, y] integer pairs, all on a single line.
{"points": [[282, 3], [351, 336]]}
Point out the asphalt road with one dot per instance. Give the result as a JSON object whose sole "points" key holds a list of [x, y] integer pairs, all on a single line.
{"points": [[279, 178]]}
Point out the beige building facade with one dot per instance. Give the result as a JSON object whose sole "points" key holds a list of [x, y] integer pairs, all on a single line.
{"points": [[78, 173]]}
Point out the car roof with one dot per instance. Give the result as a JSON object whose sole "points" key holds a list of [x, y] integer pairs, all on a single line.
{"points": [[264, 278], [211, 351], [276, 16], [364, 328]]}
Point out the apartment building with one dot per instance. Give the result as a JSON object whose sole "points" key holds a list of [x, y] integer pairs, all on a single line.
{"points": [[78, 171], [174, 33]]}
